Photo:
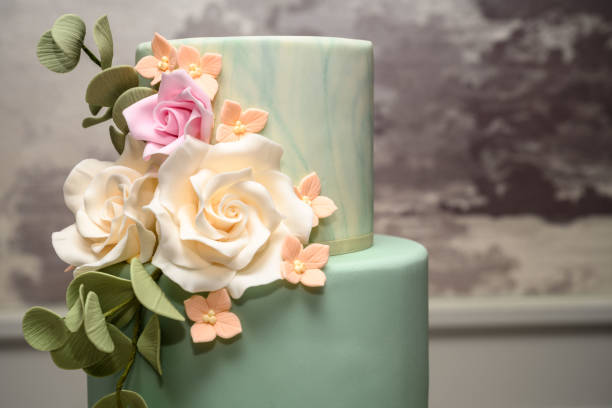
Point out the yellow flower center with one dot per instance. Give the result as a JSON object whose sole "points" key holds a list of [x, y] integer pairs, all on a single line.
{"points": [[163, 64], [195, 71], [298, 266], [209, 317], [306, 199], [239, 128]]}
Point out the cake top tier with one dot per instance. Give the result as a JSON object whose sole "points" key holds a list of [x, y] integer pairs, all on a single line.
{"points": [[319, 93]]}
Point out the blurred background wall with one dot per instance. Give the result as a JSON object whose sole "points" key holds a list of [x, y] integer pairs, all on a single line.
{"points": [[493, 147]]}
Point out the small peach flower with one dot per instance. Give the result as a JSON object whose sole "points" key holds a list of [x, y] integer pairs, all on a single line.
{"points": [[303, 265], [163, 60], [212, 317], [235, 123], [203, 69], [308, 191]]}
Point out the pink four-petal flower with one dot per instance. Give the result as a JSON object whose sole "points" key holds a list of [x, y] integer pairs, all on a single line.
{"points": [[211, 317], [302, 265], [309, 191]]}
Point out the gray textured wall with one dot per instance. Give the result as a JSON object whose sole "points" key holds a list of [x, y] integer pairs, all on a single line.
{"points": [[493, 131]]}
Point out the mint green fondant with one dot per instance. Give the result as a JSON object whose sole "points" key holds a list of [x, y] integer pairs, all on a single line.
{"points": [[360, 342], [318, 92], [344, 246]]}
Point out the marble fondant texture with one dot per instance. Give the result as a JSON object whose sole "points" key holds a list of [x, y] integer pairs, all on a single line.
{"points": [[319, 94], [360, 342]]}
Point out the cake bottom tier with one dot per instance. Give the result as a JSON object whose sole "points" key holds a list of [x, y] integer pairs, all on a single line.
{"points": [[361, 341]]}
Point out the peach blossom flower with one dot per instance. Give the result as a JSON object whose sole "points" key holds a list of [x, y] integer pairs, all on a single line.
{"points": [[235, 123], [163, 60], [303, 265], [212, 317], [203, 69], [308, 191]]}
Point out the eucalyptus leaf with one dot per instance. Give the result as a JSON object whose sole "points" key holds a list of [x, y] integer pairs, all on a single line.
{"points": [[121, 269], [111, 290], [126, 99], [68, 32], [52, 57], [43, 329], [74, 318], [117, 138], [125, 315], [104, 40], [129, 399], [91, 121], [108, 85], [77, 352], [116, 360], [149, 293], [149, 343], [95, 324], [94, 109]]}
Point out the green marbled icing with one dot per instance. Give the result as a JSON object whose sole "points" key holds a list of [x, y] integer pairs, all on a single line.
{"points": [[360, 342], [318, 92]]}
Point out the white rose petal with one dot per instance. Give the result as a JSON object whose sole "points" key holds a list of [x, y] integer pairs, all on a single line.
{"points": [[223, 212]]}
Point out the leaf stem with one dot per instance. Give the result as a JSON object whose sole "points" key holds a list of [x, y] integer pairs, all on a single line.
{"points": [[111, 312], [126, 371], [92, 56]]}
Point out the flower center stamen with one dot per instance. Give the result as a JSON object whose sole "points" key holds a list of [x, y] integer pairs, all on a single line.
{"points": [[298, 266], [163, 64], [307, 200], [209, 317], [195, 71], [239, 128]]}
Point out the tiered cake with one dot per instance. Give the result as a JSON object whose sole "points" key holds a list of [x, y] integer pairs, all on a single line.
{"points": [[226, 258]]}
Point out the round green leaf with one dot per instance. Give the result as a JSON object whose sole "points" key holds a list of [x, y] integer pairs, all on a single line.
{"points": [[129, 399], [149, 343], [149, 293], [87, 122], [52, 57], [94, 109], [126, 99], [108, 85], [77, 352], [111, 290], [117, 138], [74, 318], [125, 315], [68, 32], [104, 40], [43, 329], [121, 269], [95, 324], [115, 361]]}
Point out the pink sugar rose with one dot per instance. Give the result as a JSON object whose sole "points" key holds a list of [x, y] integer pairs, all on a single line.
{"points": [[180, 109]]}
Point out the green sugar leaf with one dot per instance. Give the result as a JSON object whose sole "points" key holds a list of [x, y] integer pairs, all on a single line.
{"points": [[121, 269], [126, 99], [108, 85], [95, 324], [74, 318], [87, 122], [116, 360], [77, 352], [149, 293], [52, 57], [44, 330], [117, 138], [125, 315], [111, 290], [68, 32], [149, 343], [104, 40], [129, 399], [94, 109]]}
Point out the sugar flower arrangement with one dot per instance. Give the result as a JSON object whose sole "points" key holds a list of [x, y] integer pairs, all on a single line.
{"points": [[197, 200]]}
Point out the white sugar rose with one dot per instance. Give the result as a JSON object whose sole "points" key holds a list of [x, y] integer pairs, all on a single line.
{"points": [[107, 200], [223, 212]]}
